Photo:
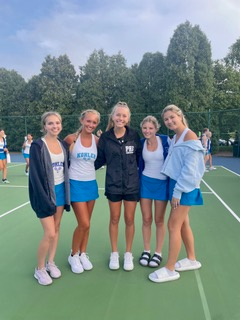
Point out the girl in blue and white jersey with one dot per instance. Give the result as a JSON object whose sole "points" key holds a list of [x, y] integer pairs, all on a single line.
{"points": [[83, 186]]}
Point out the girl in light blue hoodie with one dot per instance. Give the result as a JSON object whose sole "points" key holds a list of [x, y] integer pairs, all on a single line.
{"points": [[184, 166]]}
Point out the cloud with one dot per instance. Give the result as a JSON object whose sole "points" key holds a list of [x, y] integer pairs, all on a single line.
{"points": [[134, 27]]}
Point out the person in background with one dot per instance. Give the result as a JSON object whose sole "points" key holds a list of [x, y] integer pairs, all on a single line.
{"points": [[26, 150], [119, 148], [204, 140], [49, 192], [3, 156], [185, 167], [209, 151], [153, 189], [83, 186]]}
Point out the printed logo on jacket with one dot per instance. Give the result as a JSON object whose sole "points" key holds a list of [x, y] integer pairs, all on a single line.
{"points": [[129, 149]]}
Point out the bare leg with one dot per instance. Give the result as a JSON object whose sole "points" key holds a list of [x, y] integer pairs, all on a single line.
{"points": [[129, 213], [175, 223], [83, 213], [160, 209], [115, 212], [53, 244], [146, 208]]}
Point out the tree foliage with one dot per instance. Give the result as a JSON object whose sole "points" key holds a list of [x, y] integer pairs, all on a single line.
{"points": [[105, 80], [185, 76], [189, 76]]}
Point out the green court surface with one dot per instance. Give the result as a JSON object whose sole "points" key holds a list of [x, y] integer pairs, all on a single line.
{"points": [[211, 293]]}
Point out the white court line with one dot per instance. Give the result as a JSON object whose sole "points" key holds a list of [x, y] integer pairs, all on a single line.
{"points": [[16, 165], [224, 203], [11, 186], [203, 296], [231, 171], [22, 205]]}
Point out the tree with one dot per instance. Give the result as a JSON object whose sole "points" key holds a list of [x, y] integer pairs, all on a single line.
{"points": [[55, 87], [226, 98], [12, 106], [105, 80], [233, 57], [151, 81], [189, 75], [12, 90]]}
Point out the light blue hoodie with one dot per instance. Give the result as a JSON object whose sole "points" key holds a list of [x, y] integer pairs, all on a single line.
{"points": [[185, 164]]}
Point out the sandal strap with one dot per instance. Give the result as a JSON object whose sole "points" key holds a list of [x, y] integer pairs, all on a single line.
{"points": [[145, 256], [156, 258]]}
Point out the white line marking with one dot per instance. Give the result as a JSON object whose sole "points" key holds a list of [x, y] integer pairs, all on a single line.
{"points": [[203, 296], [221, 200], [22, 205], [231, 171], [15, 165], [11, 186]]}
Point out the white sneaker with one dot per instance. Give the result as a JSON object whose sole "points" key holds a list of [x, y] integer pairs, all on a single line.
{"points": [[42, 277], [53, 270], [128, 261], [212, 168], [86, 263], [75, 263], [114, 261], [5, 181]]}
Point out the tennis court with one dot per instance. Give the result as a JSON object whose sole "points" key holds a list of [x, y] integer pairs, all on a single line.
{"points": [[211, 293]]}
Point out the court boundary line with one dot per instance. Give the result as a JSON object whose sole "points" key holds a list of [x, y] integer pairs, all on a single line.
{"points": [[14, 209], [15, 165], [202, 296], [221, 200], [237, 174], [12, 186]]}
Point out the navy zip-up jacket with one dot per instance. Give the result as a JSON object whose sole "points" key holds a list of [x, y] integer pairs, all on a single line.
{"points": [[41, 179], [121, 158]]}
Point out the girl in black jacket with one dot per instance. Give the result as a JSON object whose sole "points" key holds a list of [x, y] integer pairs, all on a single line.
{"points": [[119, 148]]}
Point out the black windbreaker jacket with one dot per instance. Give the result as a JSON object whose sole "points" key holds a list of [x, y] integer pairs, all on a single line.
{"points": [[121, 158]]}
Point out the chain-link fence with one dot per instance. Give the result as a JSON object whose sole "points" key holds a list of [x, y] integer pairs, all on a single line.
{"points": [[224, 124]]}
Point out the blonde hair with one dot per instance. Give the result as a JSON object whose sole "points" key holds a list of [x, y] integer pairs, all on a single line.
{"points": [[84, 113], [152, 120], [177, 110], [119, 104], [46, 115], [81, 117]]}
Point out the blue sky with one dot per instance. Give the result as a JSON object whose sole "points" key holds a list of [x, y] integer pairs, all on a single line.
{"points": [[32, 29]]}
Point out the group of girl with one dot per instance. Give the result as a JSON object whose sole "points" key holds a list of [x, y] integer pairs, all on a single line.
{"points": [[152, 170]]}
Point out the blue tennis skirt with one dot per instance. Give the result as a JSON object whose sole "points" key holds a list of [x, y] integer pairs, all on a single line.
{"points": [[193, 198], [83, 191], [60, 194], [26, 155], [3, 156], [155, 189]]}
